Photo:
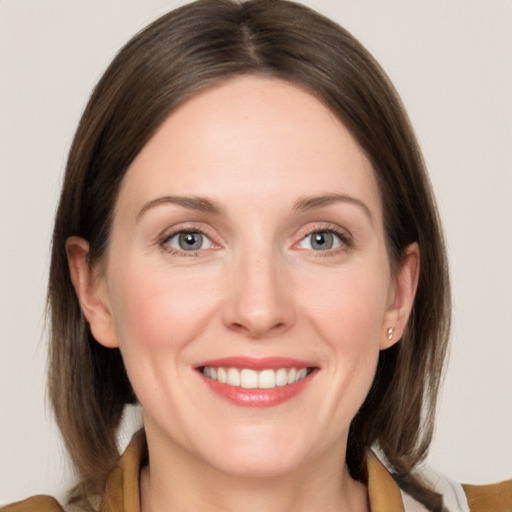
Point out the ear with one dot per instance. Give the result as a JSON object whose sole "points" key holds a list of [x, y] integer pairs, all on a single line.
{"points": [[91, 291], [401, 298]]}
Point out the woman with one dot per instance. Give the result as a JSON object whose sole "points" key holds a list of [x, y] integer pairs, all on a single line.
{"points": [[247, 245]]}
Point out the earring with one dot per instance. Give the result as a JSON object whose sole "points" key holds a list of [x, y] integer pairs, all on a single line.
{"points": [[390, 333]]}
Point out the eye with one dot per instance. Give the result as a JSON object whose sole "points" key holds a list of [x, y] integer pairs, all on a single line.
{"points": [[321, 241], [188, 241]]}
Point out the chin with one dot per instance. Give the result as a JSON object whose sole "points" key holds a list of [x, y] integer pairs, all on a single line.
{"points": [[260, 453], [261, 466]]}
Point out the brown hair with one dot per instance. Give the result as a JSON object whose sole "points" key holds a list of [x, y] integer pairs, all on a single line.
{"points": [[183, 52]]}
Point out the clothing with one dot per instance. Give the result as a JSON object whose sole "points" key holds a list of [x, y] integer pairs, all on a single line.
{"points": [[122, 490]]}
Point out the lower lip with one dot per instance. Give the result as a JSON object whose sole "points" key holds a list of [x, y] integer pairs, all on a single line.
{"points": [[258, 397]]}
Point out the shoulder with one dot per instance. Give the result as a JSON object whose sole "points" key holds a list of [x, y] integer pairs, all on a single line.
{"points": [[469, 498], [456, 497], [35, 503], [493, 497]]}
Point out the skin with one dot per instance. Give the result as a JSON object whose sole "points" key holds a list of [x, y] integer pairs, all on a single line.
{"points": [[254, 147]]}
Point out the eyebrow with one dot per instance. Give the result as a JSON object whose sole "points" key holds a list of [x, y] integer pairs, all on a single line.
{"points": [[309, 203], [191, 203], [206, 205]]}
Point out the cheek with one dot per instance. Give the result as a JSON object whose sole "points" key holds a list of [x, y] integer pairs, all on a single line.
{"points": [[160, 308], [349, 309], [346, 314], [158, 312]]}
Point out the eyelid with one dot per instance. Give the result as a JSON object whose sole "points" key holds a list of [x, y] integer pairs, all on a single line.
{"points": [[168, 234], [202, 237], [344, 236]]}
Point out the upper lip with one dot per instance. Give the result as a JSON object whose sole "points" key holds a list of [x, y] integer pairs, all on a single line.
{"points": [[263, 363]]}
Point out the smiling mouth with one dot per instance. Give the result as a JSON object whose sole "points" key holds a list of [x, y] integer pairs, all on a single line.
{"points": [[248, 378], [257, 382]]}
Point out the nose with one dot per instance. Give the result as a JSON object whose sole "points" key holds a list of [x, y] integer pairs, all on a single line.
{"points": [[259, 297]]}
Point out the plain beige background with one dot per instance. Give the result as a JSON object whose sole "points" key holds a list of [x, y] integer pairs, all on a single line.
{"points": [[451, 62]]}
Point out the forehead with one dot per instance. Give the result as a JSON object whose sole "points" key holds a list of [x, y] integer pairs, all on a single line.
{"points": [[251, 139]]}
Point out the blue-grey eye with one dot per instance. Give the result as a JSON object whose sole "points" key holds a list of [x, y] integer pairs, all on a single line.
{"points": [[321, 241], [189, 241]]}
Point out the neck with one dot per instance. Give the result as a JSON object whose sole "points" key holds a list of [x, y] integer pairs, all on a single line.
{"points": [[180, 480]]}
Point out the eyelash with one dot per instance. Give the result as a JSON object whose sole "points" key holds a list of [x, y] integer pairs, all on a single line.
{"points": [[345, 239], [164, 242]]}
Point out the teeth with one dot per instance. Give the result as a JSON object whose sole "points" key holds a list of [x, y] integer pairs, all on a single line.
{"points": [[301, 373], [221, 375], [281, 377], [252, 379], [248, 379], [233, 377], [267, 379]]}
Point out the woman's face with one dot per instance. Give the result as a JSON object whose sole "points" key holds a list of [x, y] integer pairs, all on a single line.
{"points": [[247, 282]]}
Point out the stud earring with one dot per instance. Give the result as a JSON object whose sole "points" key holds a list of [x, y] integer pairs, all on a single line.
{"points": [[390, 333]]}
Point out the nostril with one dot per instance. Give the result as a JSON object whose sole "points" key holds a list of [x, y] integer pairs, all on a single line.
{"points": [[255, 330]]}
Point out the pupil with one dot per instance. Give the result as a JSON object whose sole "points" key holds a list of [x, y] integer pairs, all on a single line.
{"points": [[322, 241], [190, 241]]}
